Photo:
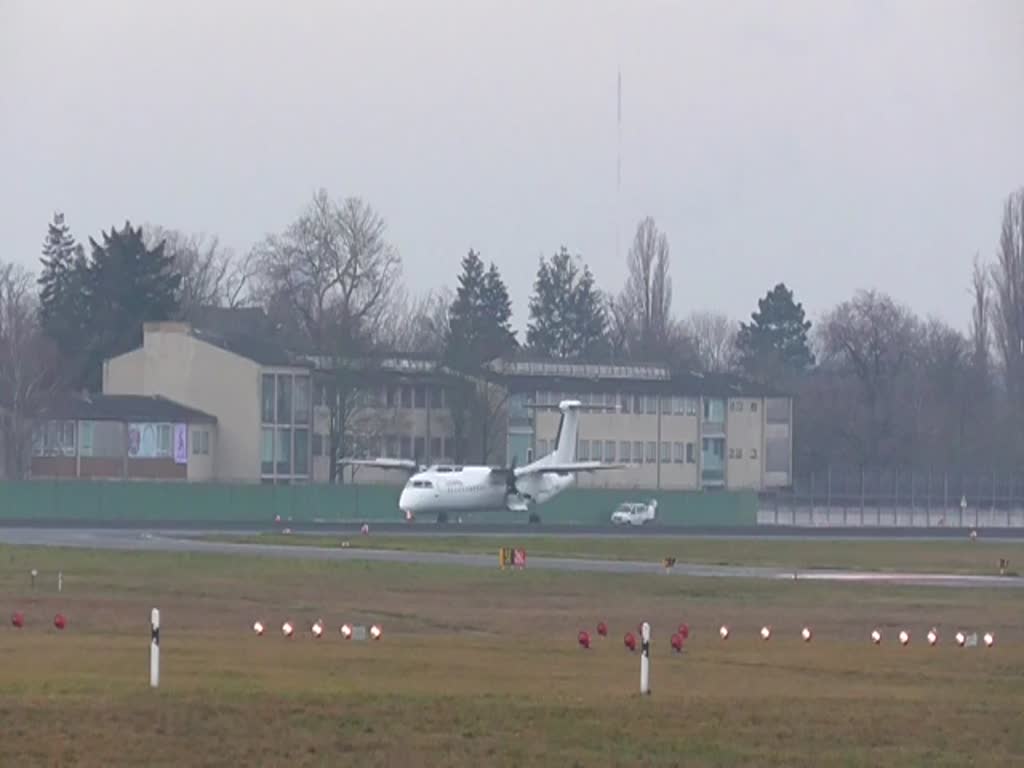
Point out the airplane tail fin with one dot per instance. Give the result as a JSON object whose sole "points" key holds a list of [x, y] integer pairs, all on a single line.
{"points": [[568, 431]]}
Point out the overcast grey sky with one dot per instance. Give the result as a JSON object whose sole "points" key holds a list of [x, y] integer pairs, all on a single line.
{"points": [[830, 144]]}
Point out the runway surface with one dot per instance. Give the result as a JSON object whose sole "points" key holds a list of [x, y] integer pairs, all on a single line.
{"points": [[184, 541], [522, 530]]}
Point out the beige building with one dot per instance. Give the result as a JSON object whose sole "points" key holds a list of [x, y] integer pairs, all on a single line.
{"points": [[269, 429], [673, 431], [280, 416]]}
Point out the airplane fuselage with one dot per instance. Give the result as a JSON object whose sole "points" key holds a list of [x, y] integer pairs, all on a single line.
{"points": [[465, 489]]}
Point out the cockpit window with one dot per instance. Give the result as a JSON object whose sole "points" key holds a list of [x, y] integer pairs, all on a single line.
{"points": [[422, 484]]}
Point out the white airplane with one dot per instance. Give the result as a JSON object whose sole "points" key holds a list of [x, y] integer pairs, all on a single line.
{"points": [[442, 489]]}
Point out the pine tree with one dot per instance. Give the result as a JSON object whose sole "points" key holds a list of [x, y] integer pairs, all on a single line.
{"points": [[479, 320], [567, 316], [775, 342], [129, 284], [62, 287]]}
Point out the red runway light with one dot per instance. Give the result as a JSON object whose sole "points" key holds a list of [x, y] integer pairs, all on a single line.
{"points": [[583, 638], [18, 619], [602, 629], [684, 631], [629, 641], [677, 642], [59, 621]]}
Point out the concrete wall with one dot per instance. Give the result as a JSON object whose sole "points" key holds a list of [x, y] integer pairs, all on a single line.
{"points": [[208, 503], [889, 517]]}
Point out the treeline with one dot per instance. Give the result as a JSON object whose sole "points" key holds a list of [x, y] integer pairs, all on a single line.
{"points": [[876, 385]]}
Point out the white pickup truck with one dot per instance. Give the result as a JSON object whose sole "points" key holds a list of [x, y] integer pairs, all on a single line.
{"points": [[635, 513]]}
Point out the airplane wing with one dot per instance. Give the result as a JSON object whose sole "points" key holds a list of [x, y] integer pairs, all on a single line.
{"points": [[571, 466], [405, 465]]}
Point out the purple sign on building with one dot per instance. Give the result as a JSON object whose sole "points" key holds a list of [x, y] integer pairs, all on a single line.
{"points": [[180, 444]]}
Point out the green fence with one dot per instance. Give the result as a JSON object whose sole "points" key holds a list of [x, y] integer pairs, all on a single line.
{"points": [[201, 503]]}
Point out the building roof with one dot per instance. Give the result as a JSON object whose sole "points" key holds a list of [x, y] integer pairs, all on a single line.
{"points": [[230, 321], [122, 408], [542, 373], [260, 350]]}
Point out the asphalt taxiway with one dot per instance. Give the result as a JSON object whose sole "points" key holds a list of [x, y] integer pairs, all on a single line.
{"points": [[185, 540]]}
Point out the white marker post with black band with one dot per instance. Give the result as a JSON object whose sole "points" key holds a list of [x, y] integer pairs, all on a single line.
{"points": [[154, 649], [645, 659]]}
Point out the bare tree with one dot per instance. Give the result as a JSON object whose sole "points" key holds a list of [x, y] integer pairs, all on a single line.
{"points": [[981, 341], [27, 368], [211, 275], [1008, 308], [874, 340], [713, 336], [420, 326], [644, 312], [333, 271]]}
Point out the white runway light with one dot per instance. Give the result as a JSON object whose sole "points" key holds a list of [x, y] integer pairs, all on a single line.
{"points": [[346, 631], [904, 637], [961, 638], [989, 639], [287, 629], [258, 627], [933, 637], [375, 632], [806, 634], [765, 633], [317, 629], [723, 632], [876, 637]]}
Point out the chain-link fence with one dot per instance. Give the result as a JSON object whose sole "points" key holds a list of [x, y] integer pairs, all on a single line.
{"points": [[893, 497]]}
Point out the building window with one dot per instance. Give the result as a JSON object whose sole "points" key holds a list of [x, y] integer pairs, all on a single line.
{"points": [[542, 447], [448, 448], [666, 405], [284, 399], [609, 450], [391, 397], [652, 403], [301, 451], [405, 447], [197, 442], [714, 410], [302, 414], [267, 452], [406, 397], [652, 452], [164, 440], [437, 398], [666, 455], [283, 451], [690, 454], [624, 403], [268, 398], [753, 406], [677, 453], [609, 401], [753, 453], [595, 450], [318, 444], [421, 396], [691, 406], [624, 453], [638, 403], [638, 452], [435, 448], [419, 448], [583, 450]]}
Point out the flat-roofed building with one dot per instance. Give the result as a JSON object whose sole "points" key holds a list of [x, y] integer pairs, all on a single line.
{"points": [[673, 430]]}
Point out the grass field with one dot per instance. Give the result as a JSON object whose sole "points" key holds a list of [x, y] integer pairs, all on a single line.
{"points": [[952, 556], [481, 667]]}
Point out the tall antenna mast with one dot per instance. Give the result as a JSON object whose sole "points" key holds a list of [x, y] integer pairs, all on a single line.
{"points": [[618, 164]]}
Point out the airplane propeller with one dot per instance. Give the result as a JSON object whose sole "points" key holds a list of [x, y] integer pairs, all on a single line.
{"points": [[510, 479]]}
